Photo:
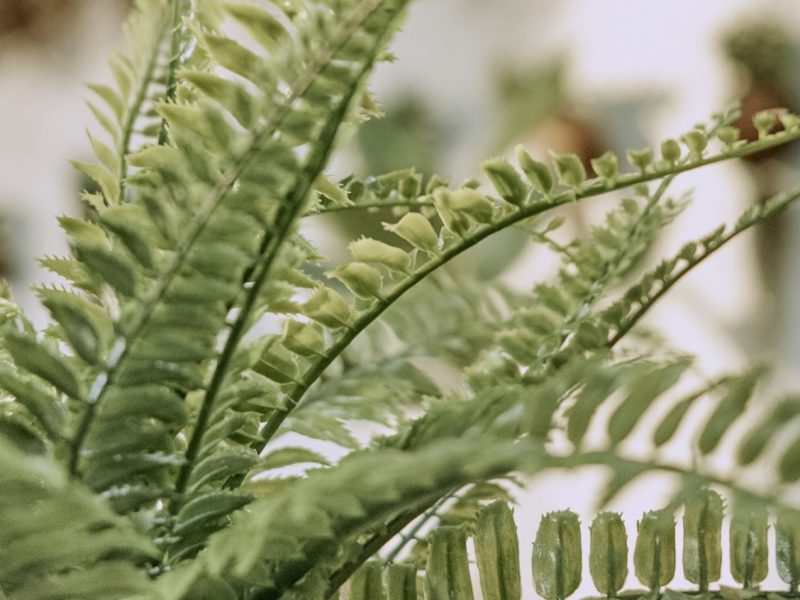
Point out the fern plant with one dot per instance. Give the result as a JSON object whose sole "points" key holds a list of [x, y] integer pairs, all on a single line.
{"points": [[143, 432]]}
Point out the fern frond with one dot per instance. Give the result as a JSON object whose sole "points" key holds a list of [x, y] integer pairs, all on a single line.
{"points": [[398, 189], [59, 539], [340, 502], [467, 218], [365, 27], [137, 429], [621, 316], [136, 78], [376, 378], [189, 207], [641, 386], [559, 318]]}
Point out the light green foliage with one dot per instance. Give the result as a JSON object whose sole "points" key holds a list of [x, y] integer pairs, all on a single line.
{"points": [[143, 432], [56, 534], [640, 159], [507, 181], [671, 150], [607, 166], [569, 168], [538, 174], [416, 230]]}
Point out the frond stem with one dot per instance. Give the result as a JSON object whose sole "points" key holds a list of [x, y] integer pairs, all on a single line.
{"points": [[410, 204], [374, 543], [421, 522]]}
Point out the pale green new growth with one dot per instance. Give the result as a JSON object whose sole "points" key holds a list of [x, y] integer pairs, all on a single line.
{"points": [[142, 432]]}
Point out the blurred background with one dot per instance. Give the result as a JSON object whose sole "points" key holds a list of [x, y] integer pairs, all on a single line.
{"points": [[473, 79]]}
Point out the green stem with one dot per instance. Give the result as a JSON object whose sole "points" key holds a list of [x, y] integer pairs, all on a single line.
{"points": [[412, 533], [410, 204], [611, 458], [610, 270], [372, 545]]}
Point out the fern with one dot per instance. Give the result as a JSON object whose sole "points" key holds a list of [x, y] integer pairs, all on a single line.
{"points": [[144, 442], [93, 554]]}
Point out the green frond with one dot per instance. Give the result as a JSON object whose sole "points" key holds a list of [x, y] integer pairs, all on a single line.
{"points": [[398, 189], [557, 554], [463, 227], [59, 540], [623, 314], [340, 502], [142, 446], [121, 110], [187, 206], [376, 378], [559, 320], [368, 22]]}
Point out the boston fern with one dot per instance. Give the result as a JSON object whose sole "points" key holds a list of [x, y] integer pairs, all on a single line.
{"points": [[143, 433]]}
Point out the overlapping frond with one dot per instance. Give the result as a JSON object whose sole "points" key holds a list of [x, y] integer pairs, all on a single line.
{"points": [[58, 540], [751, 430], [125, 111], [198, 327], [210, 221], [559, 320], [379, 377], [623, 314], [220, 190], [381, 273]]}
